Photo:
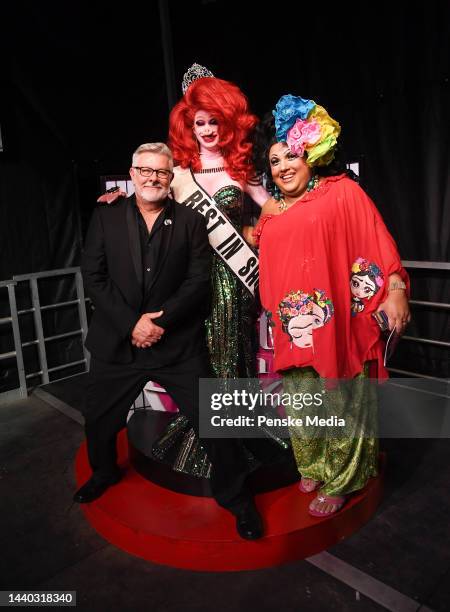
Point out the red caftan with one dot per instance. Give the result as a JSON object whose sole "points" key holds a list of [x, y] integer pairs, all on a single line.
{"points": [[324, 269]]}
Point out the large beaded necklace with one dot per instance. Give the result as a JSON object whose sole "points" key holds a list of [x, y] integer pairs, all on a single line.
{"points": [[311, 185]]}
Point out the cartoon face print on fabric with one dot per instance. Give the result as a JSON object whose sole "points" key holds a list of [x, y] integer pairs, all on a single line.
{"points": [[300, 313], [366, 279]]}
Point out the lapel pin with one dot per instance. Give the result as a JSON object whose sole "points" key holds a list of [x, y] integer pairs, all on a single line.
{"points": [[168, 222]]}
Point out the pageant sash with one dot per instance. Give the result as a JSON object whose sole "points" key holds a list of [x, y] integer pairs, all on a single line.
{"points": [[226, 241]]}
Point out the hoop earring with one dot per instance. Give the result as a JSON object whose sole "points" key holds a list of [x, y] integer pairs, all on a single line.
{"points": [[312, 183]]}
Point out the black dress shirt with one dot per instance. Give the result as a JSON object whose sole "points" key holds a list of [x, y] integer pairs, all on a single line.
{"points": [[150, 243]]}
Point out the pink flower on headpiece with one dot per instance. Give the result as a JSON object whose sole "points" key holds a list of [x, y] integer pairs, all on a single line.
{"points": [[303, 133]]}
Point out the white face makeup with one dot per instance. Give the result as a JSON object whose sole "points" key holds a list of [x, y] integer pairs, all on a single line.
{"points": [[151, 188], [206, 130], [301, 327], [362, 286]]}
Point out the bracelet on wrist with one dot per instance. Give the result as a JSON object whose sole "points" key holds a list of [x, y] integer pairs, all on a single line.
{"points": [[397, 285]]}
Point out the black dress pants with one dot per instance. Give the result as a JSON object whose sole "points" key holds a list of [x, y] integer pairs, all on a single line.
{"points": [[112, 388]]}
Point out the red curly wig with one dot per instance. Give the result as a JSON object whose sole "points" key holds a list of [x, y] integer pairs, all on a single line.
{"points": [[229, 105]]}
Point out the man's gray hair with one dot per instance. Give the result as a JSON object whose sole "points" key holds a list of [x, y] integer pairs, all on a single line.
{"points": [[154, 147]]}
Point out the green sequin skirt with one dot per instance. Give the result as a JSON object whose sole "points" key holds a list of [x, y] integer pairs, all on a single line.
{"points": [[231, 326], [343, 459]]}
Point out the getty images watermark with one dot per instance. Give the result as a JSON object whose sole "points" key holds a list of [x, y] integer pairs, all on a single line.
{"points": [[313, 407], [260, 408], [256, 403]]}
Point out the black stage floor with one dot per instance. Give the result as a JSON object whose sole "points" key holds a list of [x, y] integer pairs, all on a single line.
{"points": [[399, 561]]}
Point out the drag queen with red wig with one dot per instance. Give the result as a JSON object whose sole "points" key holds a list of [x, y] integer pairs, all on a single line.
{"points": [[209, 135], [210, 132]]}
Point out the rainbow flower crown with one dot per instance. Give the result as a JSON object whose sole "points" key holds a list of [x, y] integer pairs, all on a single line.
{"points": [[306, 126]]}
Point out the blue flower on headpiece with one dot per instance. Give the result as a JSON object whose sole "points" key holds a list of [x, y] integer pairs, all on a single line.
{"points": [[289, 108]]}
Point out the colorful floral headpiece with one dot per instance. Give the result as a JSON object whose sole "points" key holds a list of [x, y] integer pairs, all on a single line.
{"points": [[306, 126], [301, 303], [363, 266]]}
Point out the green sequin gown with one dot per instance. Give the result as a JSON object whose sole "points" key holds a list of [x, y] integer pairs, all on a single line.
{"points": [[231, 324]]}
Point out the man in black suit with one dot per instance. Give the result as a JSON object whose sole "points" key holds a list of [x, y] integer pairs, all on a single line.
{"points": [[146, 267]]}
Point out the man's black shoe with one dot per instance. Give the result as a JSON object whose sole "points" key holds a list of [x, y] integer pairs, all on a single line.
{"points": [[248, 523], [95, 487]]}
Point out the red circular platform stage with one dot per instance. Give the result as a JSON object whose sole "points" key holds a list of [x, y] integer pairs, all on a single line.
{"points": [[194, 533]]}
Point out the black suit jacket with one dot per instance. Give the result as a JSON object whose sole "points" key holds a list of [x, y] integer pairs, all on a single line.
{"points": [[113, 279]]}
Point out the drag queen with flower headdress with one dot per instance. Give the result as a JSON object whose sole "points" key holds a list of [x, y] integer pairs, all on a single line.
{"points": [[328, 263]]}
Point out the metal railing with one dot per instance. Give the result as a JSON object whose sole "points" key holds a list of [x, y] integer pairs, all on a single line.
{"points": [[40, 339], [13, 319], [424, 265]]}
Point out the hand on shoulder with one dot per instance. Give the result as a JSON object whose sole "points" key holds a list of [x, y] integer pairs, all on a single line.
{"points": [[111, 197]]}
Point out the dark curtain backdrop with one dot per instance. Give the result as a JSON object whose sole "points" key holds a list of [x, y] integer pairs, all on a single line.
{"points": [[38, 190], [83, 92]]}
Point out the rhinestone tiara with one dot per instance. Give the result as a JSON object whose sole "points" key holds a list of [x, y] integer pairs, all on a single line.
{"points": [[195, 72]]}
